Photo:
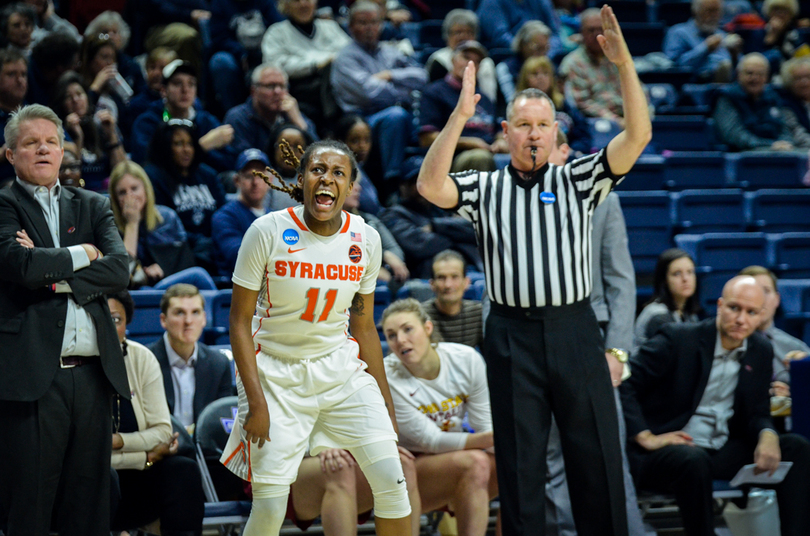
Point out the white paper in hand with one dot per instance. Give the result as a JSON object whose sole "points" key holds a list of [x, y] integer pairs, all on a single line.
{"points": [[746, 475]]}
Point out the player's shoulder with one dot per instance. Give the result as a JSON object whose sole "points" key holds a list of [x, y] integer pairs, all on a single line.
{"points": [[458, 353]]}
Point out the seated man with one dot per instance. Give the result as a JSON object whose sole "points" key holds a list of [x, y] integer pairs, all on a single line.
{"points": [[230, 223], [179, 96], [376, 80], [458, 320], [270, 104], [701, 45], [193, 374], [479, 140], [786, 348], [748, 114], [697, 409]]}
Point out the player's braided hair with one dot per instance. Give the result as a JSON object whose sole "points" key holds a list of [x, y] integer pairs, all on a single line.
{"points": [[295, 191]]}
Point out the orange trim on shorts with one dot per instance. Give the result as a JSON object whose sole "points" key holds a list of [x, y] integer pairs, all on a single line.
{"points": [[298, 222], [234, 453]]}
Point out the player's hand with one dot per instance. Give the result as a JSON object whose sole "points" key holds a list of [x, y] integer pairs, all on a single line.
{"points": [[650, 441], [154, 272], [257, 425], [779, 389], [216, 138], [612, 41], [403, 452], [24, 240], [468, 99], [334, 460], [768, 454]]}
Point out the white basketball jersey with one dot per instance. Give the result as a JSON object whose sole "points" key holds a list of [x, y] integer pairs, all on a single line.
{"points": [[306, 281]]}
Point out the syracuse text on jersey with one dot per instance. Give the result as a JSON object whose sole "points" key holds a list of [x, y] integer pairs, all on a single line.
{"points": [[306, 270]]}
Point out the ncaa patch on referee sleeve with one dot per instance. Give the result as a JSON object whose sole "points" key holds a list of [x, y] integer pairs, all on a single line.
{"points": [[547, 197]]}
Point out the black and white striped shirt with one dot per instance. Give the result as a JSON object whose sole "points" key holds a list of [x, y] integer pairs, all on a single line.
{"points": [[535, 236]]}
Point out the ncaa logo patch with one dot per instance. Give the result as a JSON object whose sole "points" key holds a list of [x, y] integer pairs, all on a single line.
{"points": [[548, 198], [290, 237], [355, 254]]}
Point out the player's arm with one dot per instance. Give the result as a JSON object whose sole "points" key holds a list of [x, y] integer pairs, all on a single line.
{"points": [[243, 306], [625, 148], [364, 331], [433, 182]]}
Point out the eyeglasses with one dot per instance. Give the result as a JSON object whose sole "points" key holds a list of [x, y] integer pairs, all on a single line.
{"points": [[180, 123], [272, 87]]}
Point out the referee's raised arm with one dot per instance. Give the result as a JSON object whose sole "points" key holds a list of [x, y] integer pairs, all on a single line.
{"points": [[434, 183], [625, 148]]}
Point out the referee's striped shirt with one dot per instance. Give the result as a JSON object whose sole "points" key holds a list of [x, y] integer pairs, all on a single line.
{"points": [[535, 236]]}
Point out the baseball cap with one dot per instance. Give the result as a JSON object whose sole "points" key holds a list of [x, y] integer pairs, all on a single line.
{"points": [[251, 155], [473, 45], [178, 66]]}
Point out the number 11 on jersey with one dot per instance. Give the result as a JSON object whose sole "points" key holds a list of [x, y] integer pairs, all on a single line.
{"points": [[312, 301]]}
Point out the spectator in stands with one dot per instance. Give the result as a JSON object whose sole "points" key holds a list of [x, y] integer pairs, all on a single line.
{"points": [[230, 223], [674, 296], [54, 55], [154, 236], [532, 41], [393, 267], [747, 113], [504, 18], [156, 61], [237, 29], [297, 140], [393, 15], [462, 25], [305, 46], [153, 482], [538, 72], [17, 26], [355, 132], [47, 21], [481, 138], [424, 230], [269, 104], [178, 25], [701, 45], [183, 183], [70, 171], [452, 469], [13, 87], [697, 409], [377, 80], [194, 375], [786, 348], [456, 319], [795, 93], [94, 131], [781, 38], [591, 80], [179, 102], [111, 23], [98, 68]]}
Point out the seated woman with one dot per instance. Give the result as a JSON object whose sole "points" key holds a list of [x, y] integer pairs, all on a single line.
{"points": [[533, 39], [186, 185], [297, 139], [153, 234], [99, 70], [94, 131], [355, 132], [153, 482], [111, 23], [674, 295], [433, 385], [538, 72]]}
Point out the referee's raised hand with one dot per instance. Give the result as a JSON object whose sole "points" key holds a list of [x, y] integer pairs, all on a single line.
{"points": [[468, 97], [612, 41]]}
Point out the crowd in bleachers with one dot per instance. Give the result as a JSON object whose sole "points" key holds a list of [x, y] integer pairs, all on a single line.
{"points": [[172, 109]]}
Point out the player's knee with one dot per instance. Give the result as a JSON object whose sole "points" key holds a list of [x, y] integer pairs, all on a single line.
{"points": [[268, 510], [343, 480], [388, 486], [477, 467]]}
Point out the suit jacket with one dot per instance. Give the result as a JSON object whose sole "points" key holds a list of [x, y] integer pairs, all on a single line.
{"points": [[670, 374], [32, 316], [212, 376], [613, 294]]}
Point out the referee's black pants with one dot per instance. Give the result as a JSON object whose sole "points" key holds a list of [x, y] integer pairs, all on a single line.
{"points": [[552, 359]]}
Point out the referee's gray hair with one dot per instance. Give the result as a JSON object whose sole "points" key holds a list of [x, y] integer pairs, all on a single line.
{"points": [[410, 305], [528, 93], [465, 17], [527, 31], [257, 73], [30, 113]]}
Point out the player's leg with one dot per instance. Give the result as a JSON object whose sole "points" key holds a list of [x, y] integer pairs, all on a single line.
{"points": [[329, 494], [268, 510], [383, 470], [365, 497]]}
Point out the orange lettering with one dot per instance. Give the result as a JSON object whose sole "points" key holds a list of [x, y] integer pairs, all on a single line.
{"points": [[281, 268], [331, 271], [343, 272], [352, 273], [293, 267], [359, 272], [306, 270], [319, 272]]}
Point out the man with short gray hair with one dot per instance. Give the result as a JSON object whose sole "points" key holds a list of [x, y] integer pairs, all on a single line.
{"points": [[60, 254]]}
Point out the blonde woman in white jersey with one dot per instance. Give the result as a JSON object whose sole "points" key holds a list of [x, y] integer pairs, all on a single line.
{"points": [[305, 278], [433, 386]]}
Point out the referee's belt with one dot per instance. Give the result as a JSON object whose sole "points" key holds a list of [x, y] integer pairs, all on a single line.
{"points": [[547, 311]]}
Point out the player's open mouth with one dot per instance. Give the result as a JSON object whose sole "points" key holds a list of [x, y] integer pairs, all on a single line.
{"points": [[324, 198]]}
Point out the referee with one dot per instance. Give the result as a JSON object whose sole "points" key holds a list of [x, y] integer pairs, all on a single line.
{"points": [[543, 347]]}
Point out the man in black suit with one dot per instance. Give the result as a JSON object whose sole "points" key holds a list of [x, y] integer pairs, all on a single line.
{"points": [[60, 254], [194, 375], [697, 408]]}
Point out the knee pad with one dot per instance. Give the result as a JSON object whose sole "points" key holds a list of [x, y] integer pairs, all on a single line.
{"points": [[383, 470], [269, 509]]}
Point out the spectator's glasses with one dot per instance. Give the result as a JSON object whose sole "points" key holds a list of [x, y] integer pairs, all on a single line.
{"points": [[103, 36], [273, 87], [180, 123]]}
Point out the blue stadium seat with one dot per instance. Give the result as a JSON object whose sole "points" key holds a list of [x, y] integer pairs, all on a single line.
{"points": [[756, 170], [218, 310], [647, 174], [779, 211], [695, 169], [145, 326], [662, 96], [602, 130], [643, 37], [476, 290], [649, 227], [682, 133], [726, 252], [710, 287], [795, 304], [382, 299], [677, 76], [699, 94], [705, 211], [791, 252]]}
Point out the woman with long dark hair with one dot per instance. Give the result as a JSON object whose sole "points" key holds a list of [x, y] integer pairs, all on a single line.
{"points": [[674, 295]]}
